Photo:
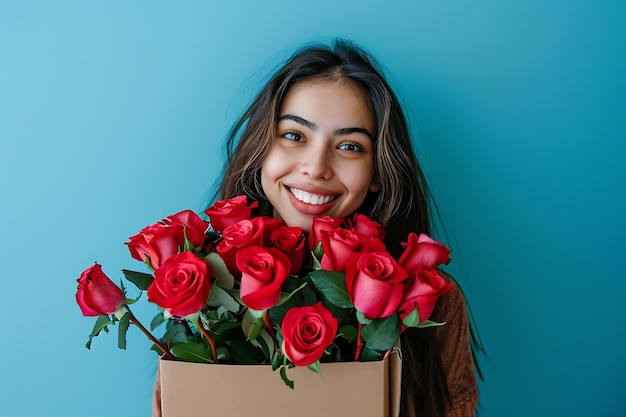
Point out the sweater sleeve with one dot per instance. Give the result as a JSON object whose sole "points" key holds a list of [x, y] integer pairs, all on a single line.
{"points": [[456, 354]]}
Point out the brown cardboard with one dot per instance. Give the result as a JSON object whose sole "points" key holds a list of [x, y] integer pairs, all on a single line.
{"points": [[345, 389]]}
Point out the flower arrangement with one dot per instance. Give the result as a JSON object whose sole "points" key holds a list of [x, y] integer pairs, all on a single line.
{"points": [[249, 289]]}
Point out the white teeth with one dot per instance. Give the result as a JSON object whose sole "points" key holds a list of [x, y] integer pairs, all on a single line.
{"points": [[314, 199]]}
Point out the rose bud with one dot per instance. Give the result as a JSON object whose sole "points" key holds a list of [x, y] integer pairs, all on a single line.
{"points": [[290, 240], [368, 227], [375, 283], [423, 251], [422, 292], [263, 272], [270, 225], [228, 212], [97, 294], [156, 243], [195, 228], [319, 224], [240, 235], [339, 245]]}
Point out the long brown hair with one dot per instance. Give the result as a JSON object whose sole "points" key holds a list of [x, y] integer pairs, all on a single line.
{"points": [[403, 202]]}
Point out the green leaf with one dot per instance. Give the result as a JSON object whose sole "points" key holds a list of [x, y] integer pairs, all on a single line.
{"points": [[315, 367], [253, 322], [284, 297], [193, 352], [412, 320], [318, 252], [236, 295], [428, 323], [101, 324], [178, 333], [316, 263], [122, 329], [361, 318], [224, 315], [187, 245], [156, 349], [140, 279], [333, 286], [368, 354], [261, 344], [305, 297], [223, 354], [275, 361], [223, 277], [382, 334], [283, 375], [244, 353], [348, 332], [226, 326], [157, 321], [219, 297]]}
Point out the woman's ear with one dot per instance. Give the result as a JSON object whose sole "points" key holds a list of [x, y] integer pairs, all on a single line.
{"points": [[375, 186]]}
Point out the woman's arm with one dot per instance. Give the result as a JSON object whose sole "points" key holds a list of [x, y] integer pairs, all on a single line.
{"points": [[156, 396], [456, 353]]}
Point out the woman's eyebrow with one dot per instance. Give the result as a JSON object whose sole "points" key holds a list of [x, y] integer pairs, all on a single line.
{"points": [[336, 132], [299, 120], [351, 130]]}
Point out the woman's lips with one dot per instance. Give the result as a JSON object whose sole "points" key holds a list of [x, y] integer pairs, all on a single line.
{"points": [[310, 203], [310, 198]]}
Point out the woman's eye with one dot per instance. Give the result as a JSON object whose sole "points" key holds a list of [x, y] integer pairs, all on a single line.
{"points": [[350, 146], [294, 136]]}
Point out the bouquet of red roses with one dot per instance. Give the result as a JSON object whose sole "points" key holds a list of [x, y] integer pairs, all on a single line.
{"points": [[249, 289]]}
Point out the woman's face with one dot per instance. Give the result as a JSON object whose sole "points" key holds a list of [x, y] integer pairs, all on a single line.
{"points": [[322, 160]]}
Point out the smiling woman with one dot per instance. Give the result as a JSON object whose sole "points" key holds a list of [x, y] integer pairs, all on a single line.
{"points": [[326, 137]]}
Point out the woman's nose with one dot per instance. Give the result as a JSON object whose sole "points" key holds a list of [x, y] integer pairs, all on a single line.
{"points": [[317, 163]]}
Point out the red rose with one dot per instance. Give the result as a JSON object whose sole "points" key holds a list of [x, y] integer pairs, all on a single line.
{"points": [[366, 226], [422, 292], [97, 294], [263, 272], [155, 243], [290, 240], [375, 283], [320, 224], [423, 251], [339, 245], [270, 225], [195, 227], [370, 244], [181, 285], [307, 332], [239, 235], [225, 213]]}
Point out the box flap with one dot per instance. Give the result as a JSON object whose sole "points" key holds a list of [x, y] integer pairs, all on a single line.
{"points": [[395, 381]]}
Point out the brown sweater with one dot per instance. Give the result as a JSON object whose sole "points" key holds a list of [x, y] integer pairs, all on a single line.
{"points": [[456, 353], [456, 356]]}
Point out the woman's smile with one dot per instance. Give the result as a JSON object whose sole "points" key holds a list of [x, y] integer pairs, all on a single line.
{"points": [[310, 198]]}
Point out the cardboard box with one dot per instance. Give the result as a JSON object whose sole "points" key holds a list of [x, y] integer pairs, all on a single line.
{"points": [[345, 389]]}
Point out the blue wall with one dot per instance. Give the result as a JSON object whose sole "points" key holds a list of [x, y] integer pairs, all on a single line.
{"points": [[112, 115]]}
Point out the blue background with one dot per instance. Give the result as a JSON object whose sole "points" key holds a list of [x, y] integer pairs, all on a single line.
{"points": [[112, 116]]}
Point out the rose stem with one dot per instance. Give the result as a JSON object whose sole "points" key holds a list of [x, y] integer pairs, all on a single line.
{"points": [[270, 329], [136, 322], [359, 344], [209, 339]]}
